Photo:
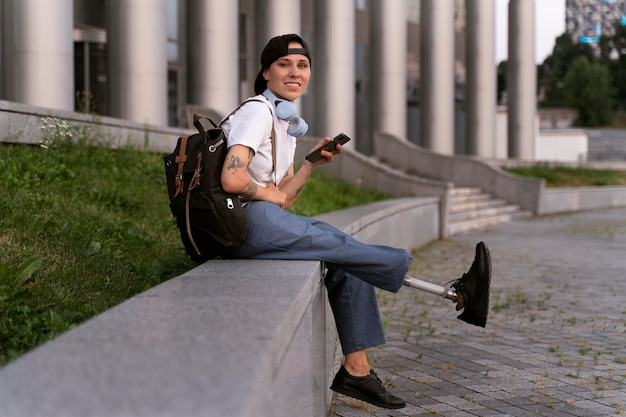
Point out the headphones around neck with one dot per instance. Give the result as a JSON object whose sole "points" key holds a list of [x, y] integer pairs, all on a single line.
{"points": [[286, 110]]}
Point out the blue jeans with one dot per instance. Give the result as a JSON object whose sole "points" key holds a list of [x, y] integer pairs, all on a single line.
{"points": [[354, 268]]}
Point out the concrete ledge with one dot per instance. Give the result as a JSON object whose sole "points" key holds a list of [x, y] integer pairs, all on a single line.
{"points": [[21, 124], [558, 200], [406, 223], [208, 343], [229, 338]]}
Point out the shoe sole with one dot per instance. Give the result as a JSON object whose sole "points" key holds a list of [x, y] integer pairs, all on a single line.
{"points": [[357, 395]]}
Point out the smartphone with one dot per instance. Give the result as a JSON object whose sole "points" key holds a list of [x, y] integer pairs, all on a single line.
{"points": [[316, 154]]}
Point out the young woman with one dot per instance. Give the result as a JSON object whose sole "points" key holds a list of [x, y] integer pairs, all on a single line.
{"points": [[269, 185]]}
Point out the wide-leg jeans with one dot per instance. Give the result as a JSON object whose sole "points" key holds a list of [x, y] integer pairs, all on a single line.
{"points": [[353, 268]]}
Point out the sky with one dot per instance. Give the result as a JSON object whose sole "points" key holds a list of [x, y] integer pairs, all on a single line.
{"points": [[549, 24]]}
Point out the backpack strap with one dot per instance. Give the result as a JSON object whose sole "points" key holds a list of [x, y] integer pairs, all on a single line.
{"points": [[180, 160], [197, 122], [273, 129]]}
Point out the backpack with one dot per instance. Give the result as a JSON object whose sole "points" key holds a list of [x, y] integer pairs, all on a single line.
{"points": [[211, 221]]}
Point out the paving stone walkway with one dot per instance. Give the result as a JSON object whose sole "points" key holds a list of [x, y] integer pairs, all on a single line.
{"points": [[555, 341]]}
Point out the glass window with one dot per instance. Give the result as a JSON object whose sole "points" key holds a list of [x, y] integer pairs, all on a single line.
{"points": [[362, 70], [413, 11], [173, 42], [362, 4], [90, 13]]}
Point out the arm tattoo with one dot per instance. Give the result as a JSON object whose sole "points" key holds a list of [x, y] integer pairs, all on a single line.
{"points": [[249, 190], [235, 163]]}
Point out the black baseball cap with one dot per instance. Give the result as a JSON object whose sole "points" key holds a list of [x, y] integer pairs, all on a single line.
{"points": [[277, 48]]}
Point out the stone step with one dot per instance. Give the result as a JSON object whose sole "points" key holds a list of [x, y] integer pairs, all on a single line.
{"points": [[486, 212], [471, 205], [485, 222], [465, 191], [460, 199], [470, 209]]}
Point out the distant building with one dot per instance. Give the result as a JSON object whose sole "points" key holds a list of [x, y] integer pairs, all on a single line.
{"points": [[587, 20], [422, 70], [154, 61]]}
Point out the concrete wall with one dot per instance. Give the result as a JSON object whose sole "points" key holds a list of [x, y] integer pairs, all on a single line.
{"points": [[562, 146], [21, 124], [558, 200], [463, 171], [556, 118], [554, 141]]}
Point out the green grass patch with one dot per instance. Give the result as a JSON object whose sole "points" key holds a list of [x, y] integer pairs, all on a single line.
{"points": [[619, 120], [556, 176], [324, 194], [84, 227]]}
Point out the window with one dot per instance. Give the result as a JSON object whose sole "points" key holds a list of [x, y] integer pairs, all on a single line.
{"points": [[413, 10], [362, 4]]}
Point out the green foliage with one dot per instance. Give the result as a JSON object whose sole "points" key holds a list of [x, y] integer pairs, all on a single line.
{"points": [[324, 194], [588, 89], [552, 72], [571, 177], [23, 325], [501, 80], [619, 120], [84, 227], [613, 57]]}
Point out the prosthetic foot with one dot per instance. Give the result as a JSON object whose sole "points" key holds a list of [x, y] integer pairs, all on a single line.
{"points": [[470, 292]]}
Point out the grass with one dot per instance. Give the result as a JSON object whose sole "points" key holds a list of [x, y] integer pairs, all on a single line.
{"points": [[84, 227], [571, 177], [619, 120]]}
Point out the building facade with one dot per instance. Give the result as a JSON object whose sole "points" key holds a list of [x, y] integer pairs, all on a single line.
{"points": [[587, 20], [401, 66]]}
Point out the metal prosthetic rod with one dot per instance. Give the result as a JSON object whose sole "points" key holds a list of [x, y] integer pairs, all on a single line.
{"points": [[470, 292], [448, 293]]}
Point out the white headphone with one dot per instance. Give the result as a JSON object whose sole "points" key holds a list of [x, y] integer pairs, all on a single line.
{"points": [[286, 110]]}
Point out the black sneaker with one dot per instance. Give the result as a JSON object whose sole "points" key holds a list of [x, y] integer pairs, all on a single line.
{"points": [[473, 287], [367, 388]]}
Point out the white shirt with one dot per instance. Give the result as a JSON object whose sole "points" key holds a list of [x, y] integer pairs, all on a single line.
{"points": [[251, 126]]}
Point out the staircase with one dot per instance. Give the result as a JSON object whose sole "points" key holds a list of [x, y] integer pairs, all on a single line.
{"points": [[472, 209]]}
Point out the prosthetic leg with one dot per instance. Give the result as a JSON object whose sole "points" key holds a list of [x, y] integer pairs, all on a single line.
{"points": [[470, 292]]}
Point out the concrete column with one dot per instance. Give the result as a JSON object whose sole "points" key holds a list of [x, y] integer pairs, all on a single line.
{"points": [[276, 17], [137, 42], [389, 65], [521, 79], [213, 32], [38, 53], [481, 78], [213, 54], [437, 77], [333, 68]]}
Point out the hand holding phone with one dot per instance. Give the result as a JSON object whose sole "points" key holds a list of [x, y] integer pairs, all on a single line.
{"points": [[316, 154]]}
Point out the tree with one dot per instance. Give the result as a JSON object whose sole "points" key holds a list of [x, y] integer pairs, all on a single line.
{"points": [[552, 72], [587, 88], [613, 57]]}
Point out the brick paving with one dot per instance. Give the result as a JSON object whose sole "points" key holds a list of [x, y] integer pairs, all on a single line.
{"points": [[555, 341]]}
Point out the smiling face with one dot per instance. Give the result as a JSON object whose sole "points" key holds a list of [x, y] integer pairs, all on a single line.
{"points": [[288, 76]]}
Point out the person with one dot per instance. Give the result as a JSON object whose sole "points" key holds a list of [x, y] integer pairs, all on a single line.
{"points": [[268, 185]]}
